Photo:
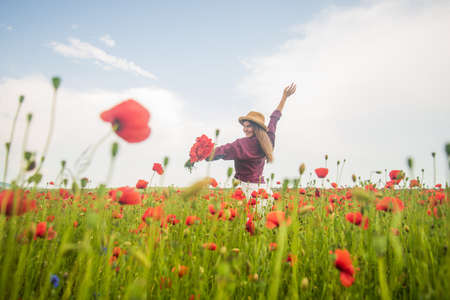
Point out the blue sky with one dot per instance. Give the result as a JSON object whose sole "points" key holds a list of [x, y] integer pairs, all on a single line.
{"points": [[372, 79]]}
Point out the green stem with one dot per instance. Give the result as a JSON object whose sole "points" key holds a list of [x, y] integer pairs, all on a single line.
{"points": [[24, 146], [8, 144], [50, 132]]}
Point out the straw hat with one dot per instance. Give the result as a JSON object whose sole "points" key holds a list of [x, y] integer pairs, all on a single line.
{"points": [[255, 117]]}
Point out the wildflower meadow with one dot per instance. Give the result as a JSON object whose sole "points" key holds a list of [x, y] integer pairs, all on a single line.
{"points": [[319, 239]]}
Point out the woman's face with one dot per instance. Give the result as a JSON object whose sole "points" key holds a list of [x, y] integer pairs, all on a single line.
{"points": [[248, 129]]}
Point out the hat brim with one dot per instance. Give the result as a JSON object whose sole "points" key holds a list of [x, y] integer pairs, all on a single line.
{"points": [[255, 121]]}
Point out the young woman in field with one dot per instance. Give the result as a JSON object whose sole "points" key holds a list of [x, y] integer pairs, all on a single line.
{"points": [[251, 152]]}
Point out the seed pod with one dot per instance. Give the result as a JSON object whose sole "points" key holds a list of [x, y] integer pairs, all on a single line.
{"points": [[229, 172], [304, 284], [114, 149], [56, 82], [301, 169], [410, 162]]}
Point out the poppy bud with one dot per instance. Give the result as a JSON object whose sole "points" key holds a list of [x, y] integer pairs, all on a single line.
{"points": [[447, 149], [378, 172], [7, 145], [63, 164], [84, 182], [235, 182], [21, 98], [410, 162], [354, 177], [229, 172], [27, 155], [433, 154], [114, 149], [56, 82], [272, 176], [31, 165], [338, 162], [326, 156], [305, 282], [166, 161], [29, 117], [302, 169], [217, 132]]}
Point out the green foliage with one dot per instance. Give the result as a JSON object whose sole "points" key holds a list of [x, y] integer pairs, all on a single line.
{"points": [[400, 256]]}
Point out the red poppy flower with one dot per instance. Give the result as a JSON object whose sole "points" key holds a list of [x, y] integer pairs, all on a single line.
{"points": [[210, 246], [141, 184], [117, 214], [276, 218], [321, 172], [276, 196], [181, 270], [75, 224], [334, 185], [250, 226], [291, 259], [358, 219], [129, 196], [343, 263], [154, 213], [212, 182], [390, 204], [41, 229], [272, 246], [158, 168], [238, 194], [129, 120], [172, 219], [201, 149], [396, 175], [191, 220], [15, 202]]}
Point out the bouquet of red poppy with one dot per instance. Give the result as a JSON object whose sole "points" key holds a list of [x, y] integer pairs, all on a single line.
{"points": [[201, 149]]}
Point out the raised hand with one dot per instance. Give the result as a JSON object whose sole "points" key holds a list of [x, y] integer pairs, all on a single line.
{"points": [[289, 90]]}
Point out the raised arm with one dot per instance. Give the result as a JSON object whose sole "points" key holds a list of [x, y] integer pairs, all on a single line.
{"points": [[289, 90]]}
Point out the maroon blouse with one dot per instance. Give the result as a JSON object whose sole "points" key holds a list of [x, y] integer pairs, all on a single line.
{"points": [[248, 156]]}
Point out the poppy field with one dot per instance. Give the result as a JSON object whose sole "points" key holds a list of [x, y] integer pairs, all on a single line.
{"points": [[317, 240]]}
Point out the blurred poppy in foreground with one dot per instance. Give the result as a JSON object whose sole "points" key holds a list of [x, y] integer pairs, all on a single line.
{"points": [[129, 120], [129, 196], [276, 218], [390, 204], [191, 220], [343, 263], [358, 219], [15, 202]]}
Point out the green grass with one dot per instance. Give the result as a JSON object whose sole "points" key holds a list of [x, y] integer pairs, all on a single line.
{"points": [[413, 264]]}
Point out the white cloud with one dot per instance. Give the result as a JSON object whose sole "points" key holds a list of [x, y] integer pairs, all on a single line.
{"points": [[372, 87], [108, 41], [83, 50], [78, 125], [74, 26]]}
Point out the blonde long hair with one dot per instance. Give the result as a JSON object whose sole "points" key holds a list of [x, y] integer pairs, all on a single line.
{"points": [[264, 142]]}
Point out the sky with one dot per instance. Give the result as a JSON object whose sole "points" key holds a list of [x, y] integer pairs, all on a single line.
{"points": [[372, 83]]}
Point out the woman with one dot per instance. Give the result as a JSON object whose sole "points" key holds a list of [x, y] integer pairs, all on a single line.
{"points": [[251, 152]]}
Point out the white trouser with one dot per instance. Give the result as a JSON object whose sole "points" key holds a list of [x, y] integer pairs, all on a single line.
{"points": [[248, 188]]}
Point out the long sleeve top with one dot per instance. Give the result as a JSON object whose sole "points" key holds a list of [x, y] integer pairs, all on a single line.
{"points": [[249, 158]]}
